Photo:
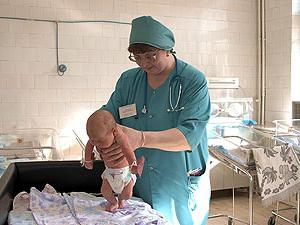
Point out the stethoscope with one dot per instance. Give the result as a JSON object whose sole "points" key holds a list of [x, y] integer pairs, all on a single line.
{"points": [[172, 108]]}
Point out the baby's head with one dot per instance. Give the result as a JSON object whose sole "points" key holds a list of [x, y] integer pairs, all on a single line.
{"points": [[100, 127]]}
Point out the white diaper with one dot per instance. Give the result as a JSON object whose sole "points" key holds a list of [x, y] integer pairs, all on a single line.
{"points": [[118, 178]]}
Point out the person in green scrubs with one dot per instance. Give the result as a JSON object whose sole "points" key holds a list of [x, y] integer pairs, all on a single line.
{"points": [[163, 107]]}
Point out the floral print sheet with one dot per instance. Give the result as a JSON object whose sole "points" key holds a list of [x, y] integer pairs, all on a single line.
{"points": [[278, 173], [49, 207]]}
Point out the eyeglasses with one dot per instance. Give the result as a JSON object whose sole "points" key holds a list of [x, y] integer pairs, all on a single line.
{"points": [[148, 57]]}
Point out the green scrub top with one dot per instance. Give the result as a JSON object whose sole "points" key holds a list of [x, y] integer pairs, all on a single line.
{"points": [[164, 183]]}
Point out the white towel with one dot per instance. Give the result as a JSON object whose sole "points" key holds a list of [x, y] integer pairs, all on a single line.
{"points": [[278, 173]]}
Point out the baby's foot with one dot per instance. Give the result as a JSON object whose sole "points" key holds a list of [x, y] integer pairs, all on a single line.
{"points": [[121, 204], [111, 207]]}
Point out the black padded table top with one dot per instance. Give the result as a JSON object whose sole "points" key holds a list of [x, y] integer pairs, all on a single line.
{"points": [[64, 176]]}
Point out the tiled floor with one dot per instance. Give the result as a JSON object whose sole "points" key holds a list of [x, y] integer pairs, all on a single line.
{"points": [[221, 203]]}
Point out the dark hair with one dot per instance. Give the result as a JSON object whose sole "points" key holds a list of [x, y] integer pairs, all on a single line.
{"points": [[140, 48]]}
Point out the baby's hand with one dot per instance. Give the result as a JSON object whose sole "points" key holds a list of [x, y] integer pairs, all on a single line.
{"points": [[88, 165], [137, 167]]}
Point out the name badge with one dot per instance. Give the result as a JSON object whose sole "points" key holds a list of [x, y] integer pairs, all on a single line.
{"points": [[127, 111]]}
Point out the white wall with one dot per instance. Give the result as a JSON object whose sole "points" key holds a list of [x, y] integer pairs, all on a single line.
{"points": [[217, 36], [278, 59], [295, 73]]}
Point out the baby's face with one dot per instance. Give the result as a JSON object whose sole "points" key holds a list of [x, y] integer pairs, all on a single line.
{"points": [[102, 142]]}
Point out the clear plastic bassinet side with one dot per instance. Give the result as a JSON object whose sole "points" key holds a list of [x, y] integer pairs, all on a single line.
{"points": [[28, 144], [242, 138]]}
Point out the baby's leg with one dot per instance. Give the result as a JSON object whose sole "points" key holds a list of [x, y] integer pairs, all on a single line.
{"points": [[126, 193], [108, 194]]}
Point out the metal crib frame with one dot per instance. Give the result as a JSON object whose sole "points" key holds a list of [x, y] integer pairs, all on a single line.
{"points": [[292, 132], [250, 172], [275, 212], [38, 148]]}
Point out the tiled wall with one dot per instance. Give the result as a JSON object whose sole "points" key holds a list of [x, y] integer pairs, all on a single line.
{"points": [[295, 50], [217, 36], [278, 59]]}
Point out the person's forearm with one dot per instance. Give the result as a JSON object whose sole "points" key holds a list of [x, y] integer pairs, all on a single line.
{"points": [[169, 140]]}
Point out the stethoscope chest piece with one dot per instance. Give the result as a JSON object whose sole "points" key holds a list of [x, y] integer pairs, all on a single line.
{"points": [[144, 109]]}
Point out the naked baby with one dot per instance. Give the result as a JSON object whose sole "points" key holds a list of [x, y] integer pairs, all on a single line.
{"points": [[119, 178]]}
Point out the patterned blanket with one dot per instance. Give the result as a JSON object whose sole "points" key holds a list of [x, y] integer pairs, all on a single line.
{"points": [[49, 207], [278, 173]]}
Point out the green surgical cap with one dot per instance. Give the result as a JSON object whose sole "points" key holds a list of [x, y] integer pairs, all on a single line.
{"points": [[146, 30]]}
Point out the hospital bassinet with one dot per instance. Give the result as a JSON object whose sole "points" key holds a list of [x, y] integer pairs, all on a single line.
{"points": [[65, 176], [288, 131], [232, 145], [28, 144]]}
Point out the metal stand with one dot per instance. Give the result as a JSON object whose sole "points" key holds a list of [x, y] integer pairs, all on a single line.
{"points": [[287, 129], [275, 212], [232, 218]]}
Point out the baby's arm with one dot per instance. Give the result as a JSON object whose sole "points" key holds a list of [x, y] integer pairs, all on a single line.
{"points": [[88, 156], [123, 141]]}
